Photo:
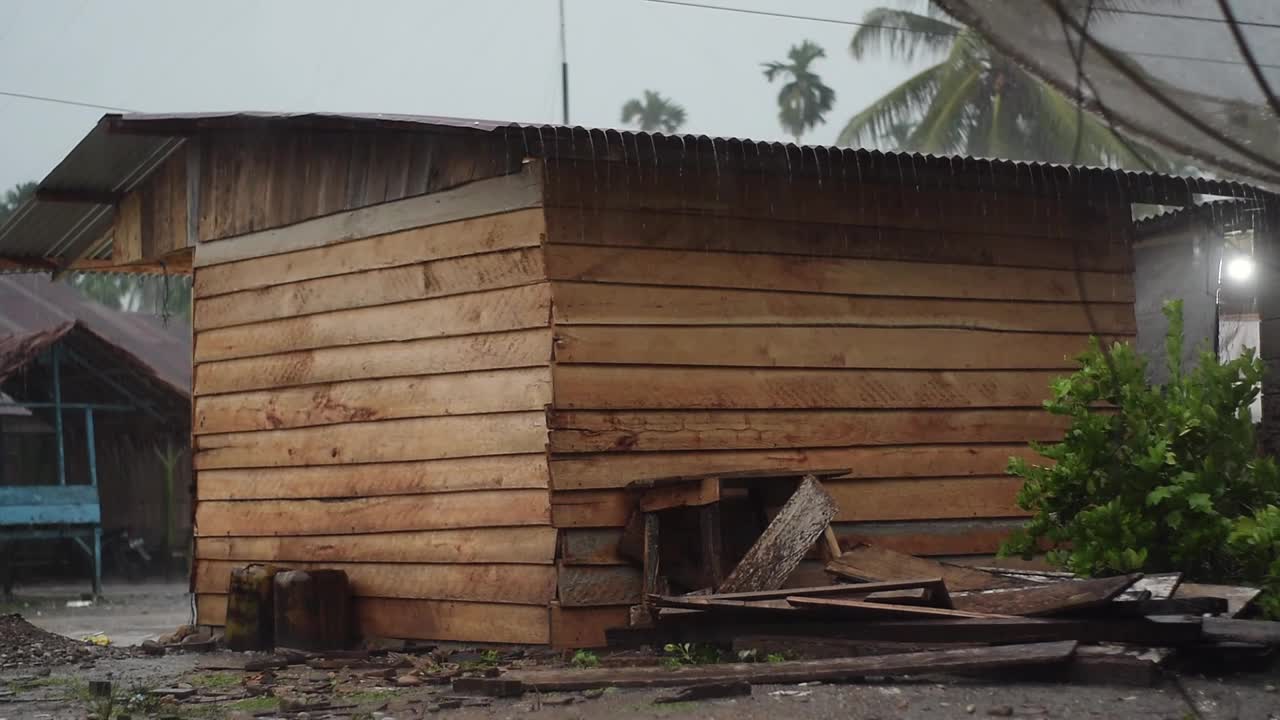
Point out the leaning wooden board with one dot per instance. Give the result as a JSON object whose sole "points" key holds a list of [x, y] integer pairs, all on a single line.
{"points": [[784, 543]]}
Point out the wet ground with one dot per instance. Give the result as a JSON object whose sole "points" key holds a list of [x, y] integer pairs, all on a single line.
{"points": [[216, 688]]}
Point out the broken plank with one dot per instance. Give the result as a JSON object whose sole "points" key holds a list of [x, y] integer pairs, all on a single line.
{"points": [[786, 540], [793, 671], [870, 562], [1046, 599], [706, 691], [1259, 632], [845, 589], [844, 608], [1165, 606], [1160, 586], [1238, 597]]}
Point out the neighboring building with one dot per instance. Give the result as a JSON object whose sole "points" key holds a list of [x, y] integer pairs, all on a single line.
{"points": [[132, 374], [434, 352]]}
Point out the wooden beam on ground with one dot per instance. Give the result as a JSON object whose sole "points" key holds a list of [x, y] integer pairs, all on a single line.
{"points": [[704, 627], [795, 671], [872, 563], [785, 542], [1259, 632], [1072, 595]]}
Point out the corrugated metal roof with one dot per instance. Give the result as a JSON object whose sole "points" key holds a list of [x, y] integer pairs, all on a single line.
{"points": [[122, 150]]}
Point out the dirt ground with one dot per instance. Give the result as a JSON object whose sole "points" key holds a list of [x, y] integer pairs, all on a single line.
{"points": [[137, 612]]}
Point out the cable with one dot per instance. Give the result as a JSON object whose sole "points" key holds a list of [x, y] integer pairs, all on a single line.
{"points": [[1145, 85], [60, 101], [1178, 16], [852, 23], [1247, 53]]}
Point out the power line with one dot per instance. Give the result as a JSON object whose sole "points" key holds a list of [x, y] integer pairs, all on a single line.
{"points": [[899, 28], [1179, 16], [61, 101]]}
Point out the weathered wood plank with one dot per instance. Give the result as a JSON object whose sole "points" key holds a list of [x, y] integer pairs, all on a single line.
{"points": [[838, 590], [1046, 599], [499, 472], [687, 494], [1238, 597], [649, 228], [490, 351], [523, 228], [492, 196], [525, 545], [584, 627], [611, 470], [440, 278], [921, 498], [591, 509], [480, 312], [456, 621], [820, 347], [499, 583], [424, 619], [786, 540], [591, 546], [595, 585], [582, 431], [606, 387], [933, 537], [830, 275], [384, 441], [874, 563], [792, 671], [860, 610], [355, 516], [467, 393], [1260, 632], [591, 303]]}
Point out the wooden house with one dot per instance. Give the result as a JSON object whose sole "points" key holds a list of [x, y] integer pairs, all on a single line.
{"points": [[434, 352]]}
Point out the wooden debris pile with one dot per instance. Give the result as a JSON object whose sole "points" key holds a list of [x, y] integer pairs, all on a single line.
{"points": [[886, 613]]}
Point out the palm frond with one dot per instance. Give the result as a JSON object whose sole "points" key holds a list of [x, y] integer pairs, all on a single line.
{"points": [[904, 104], [631, 110], [901, 34], [944, 129]]}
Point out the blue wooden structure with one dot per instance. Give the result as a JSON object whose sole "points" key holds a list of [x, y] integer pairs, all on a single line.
{"points": [[70, 509]]}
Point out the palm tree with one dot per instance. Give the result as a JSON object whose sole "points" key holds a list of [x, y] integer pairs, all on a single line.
{"points": [[14, 197], [975, 101], [803, 101], [654, 113]]}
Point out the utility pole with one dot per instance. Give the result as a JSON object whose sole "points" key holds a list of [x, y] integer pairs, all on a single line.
{"points": [[564, 69]]}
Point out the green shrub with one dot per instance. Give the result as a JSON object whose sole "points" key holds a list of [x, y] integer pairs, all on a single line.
{"points": [[1157, 478]]}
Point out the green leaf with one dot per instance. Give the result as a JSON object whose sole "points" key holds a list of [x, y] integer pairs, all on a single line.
{"points": [[1200, 502], [1155, 497]]}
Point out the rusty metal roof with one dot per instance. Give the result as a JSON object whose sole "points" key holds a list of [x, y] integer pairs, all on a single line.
{"points": [[59, 224], [33, 307]]}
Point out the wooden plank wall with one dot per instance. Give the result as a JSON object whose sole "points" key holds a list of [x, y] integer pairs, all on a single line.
{"points": [[378, 405], [730, 323]]}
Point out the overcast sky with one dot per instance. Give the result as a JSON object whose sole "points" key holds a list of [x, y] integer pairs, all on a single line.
{"points": [[493, 59]]}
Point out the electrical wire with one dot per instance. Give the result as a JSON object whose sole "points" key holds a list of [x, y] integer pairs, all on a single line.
{"points": [[62, 101], [1247, 53], [899, 28]]}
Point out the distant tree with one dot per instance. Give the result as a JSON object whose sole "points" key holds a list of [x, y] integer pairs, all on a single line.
{"points": [[804, 100], [975, 100], [654, 113], [14, 197]]}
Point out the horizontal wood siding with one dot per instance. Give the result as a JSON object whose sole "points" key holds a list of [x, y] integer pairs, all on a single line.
{"points": [[378, 405], [910, 334]]}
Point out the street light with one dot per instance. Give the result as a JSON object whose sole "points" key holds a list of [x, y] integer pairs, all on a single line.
{"points": [[1240, 268]]}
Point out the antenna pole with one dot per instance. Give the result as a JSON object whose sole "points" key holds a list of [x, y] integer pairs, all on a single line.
{"points": [[564, 69]]}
